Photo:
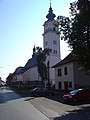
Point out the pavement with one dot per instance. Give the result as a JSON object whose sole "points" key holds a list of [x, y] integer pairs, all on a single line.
{"points": [[49, 106], [53, 107]]}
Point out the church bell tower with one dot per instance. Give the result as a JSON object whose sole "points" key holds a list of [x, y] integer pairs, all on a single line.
{"points": [[52, 41]]}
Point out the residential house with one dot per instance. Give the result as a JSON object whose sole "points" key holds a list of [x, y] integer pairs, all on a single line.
{"points": [[68, 75]]}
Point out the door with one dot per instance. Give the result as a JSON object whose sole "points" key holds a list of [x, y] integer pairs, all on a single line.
{"points": [[66, 85]]}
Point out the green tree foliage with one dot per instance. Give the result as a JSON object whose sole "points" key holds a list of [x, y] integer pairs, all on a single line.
{"points": [[41, 58], [9, 78], [76, 31]]}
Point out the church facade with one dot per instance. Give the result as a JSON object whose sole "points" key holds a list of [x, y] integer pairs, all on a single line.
{"points": [[51, 41]]}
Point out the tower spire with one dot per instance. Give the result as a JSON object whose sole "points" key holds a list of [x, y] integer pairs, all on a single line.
{"points": [[50, 16], [50, 3]]}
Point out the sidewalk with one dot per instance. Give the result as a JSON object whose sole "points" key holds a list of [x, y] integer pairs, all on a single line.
{"points": [[54, 108]]}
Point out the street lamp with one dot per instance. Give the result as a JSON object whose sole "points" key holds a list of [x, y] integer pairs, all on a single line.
{"points": [[1, 74], [48, 75]]}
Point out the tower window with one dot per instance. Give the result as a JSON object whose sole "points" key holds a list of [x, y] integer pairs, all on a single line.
{"points": [[54, 51], [53, 28], [54, 42], [46, 43]]}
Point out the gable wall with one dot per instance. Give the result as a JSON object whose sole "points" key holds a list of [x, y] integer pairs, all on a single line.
{"points": [[80, 78]]}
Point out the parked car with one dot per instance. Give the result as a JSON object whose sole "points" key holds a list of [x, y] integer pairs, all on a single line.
{"points": [[77, 95], [40, 91]]}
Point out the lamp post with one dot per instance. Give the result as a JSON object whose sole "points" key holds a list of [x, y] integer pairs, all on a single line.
{"points": [[0, 73], [48, 75]]}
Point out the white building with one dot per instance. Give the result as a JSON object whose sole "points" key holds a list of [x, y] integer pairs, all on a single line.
{"points": [[68, 74], [29, 72], [50, 40]]}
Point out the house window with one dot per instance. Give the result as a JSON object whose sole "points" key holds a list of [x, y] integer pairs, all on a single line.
{"points": [[70, 84], [54, 42], [59, 72], [59, 85], [54, 51], [65, 71]]}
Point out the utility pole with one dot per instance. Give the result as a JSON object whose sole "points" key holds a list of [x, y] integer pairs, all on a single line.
{"points": [[48, 75]]}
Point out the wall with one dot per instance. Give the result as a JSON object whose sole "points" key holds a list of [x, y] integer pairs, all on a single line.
{"points": [[48, 37], [63, 78], [32, 74], [80, 78]]}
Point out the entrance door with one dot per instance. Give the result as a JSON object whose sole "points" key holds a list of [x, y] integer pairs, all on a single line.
{"points": [[66, 85]]}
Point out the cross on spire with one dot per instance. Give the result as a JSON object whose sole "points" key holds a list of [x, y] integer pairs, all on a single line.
{"points": [[50, 3]]}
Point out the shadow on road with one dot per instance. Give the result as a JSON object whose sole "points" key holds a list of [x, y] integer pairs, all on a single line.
{"points": [[6, 94], [81, 114]]}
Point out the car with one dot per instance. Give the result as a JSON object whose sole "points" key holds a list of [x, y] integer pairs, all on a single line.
{"points": [[40, 91], [77, 95]]}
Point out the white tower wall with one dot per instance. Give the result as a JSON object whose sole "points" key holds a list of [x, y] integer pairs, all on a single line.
{"points": [[52, 41]]}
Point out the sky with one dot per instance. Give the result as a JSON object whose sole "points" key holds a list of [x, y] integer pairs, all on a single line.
{"points": [[21, 27]]}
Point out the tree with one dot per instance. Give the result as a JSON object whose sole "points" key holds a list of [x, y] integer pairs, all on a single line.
{"points": [[9, 79], [76, 31], [41, 58]]}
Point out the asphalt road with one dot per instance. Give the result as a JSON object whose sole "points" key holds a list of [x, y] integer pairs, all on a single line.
{"points": [[14, 107]]}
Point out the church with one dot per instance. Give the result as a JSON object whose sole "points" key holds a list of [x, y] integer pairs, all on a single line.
{"points": [[51, 40], [63, 74]]}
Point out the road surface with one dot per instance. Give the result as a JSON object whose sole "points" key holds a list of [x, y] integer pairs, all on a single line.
{"points": [[14, 107]]}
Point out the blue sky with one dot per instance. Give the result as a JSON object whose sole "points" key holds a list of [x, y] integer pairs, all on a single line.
{"points": [[21, 26]]}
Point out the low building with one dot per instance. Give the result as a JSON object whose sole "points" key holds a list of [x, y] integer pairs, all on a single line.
{"points": [[68, 75]]}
